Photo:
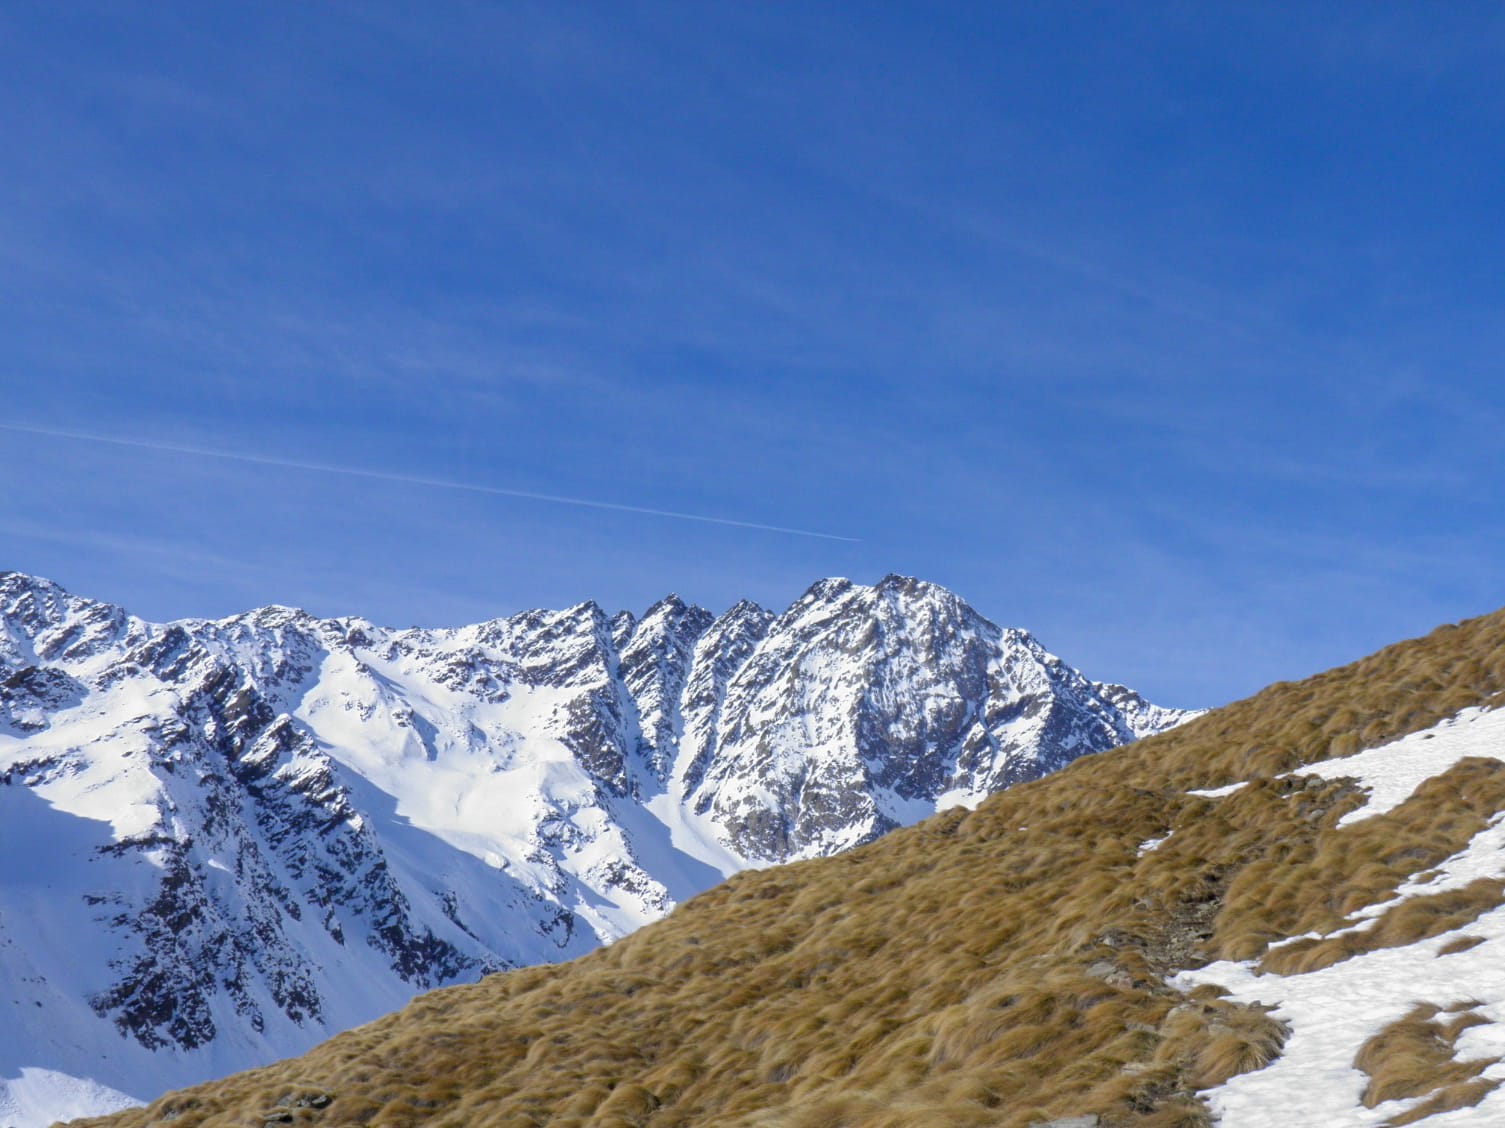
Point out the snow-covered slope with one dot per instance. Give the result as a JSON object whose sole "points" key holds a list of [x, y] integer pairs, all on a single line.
{"points": [[1333, 1011], [223, 841]]}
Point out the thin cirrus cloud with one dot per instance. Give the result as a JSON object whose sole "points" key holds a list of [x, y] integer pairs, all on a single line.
{"points": [[418, 480]]}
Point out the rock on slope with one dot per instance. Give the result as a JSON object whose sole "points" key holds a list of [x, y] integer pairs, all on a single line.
{"points": [[1290, 911], [223, 841]]}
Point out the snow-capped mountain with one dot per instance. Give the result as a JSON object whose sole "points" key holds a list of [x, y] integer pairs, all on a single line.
{"points": [[221, 841], [1290, 911]]}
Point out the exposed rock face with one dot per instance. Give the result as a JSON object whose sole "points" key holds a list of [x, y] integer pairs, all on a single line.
{"points": [[864, 708], [228, 839]]}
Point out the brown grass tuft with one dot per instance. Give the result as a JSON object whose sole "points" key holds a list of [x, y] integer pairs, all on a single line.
{"points": [[1461, 944], [1415, 919], [1414, 1057]]}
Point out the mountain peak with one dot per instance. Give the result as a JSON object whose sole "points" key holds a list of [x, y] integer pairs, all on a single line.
{"points": [[745, 607], [833, 587], [895, 584]]}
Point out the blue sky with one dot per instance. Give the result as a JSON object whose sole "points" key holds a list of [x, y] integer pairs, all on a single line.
{"points": [[1170, 332]]}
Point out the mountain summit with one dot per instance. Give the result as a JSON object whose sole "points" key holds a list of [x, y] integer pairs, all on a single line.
{"points": [[225, 840]]}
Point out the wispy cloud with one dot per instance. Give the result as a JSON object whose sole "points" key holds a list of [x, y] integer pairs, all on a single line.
{"points": [[414, 480]]}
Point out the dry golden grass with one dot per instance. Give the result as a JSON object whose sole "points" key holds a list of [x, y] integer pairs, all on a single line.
{"points": [[961, 972], [1414, 1057], [1461, 944], [1417, 918]]}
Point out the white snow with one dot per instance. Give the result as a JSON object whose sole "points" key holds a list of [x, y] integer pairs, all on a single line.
{"points": [[958, 797], [1333, 1011], [37, 1097], [1149, 845], [1391, 773], [116, 786], [1218, 792]]}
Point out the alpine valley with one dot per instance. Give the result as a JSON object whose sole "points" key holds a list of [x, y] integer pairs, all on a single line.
{"points": [[225, 841]]}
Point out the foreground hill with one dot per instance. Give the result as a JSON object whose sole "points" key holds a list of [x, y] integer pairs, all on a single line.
{"points": [[223, 841], [1131, 941]]}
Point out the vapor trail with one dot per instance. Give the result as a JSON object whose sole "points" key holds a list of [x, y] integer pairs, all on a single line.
{"points": [[412, 480]]}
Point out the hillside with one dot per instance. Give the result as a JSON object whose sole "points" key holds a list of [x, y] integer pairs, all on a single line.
{"points": [[1133, 939], [224, 841]]}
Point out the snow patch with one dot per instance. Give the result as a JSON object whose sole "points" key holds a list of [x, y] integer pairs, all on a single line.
{"points": [[1219, 792], [1393, 772], [40, 1096], [1150, 845]]}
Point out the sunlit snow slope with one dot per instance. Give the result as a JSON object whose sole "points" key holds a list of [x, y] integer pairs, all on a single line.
{"points": [[223, 841], [1333, 1011]]}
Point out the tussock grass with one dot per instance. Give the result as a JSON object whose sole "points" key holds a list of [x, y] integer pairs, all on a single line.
{"points": [[1414, 1057], [1415, 919], [963, 971], [1460, 945]]}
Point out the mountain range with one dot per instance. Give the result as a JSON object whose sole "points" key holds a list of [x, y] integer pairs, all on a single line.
{"points": [[1287, 911], [224, 841]]}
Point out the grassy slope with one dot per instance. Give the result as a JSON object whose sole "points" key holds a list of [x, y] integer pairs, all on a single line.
{"points": [[993, 968]]}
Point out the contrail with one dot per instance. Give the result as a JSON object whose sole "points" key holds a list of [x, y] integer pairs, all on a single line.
{"points": [[413, 480]]}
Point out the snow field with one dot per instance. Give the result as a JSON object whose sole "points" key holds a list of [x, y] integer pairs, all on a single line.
{"points": [[39, 1096]]}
